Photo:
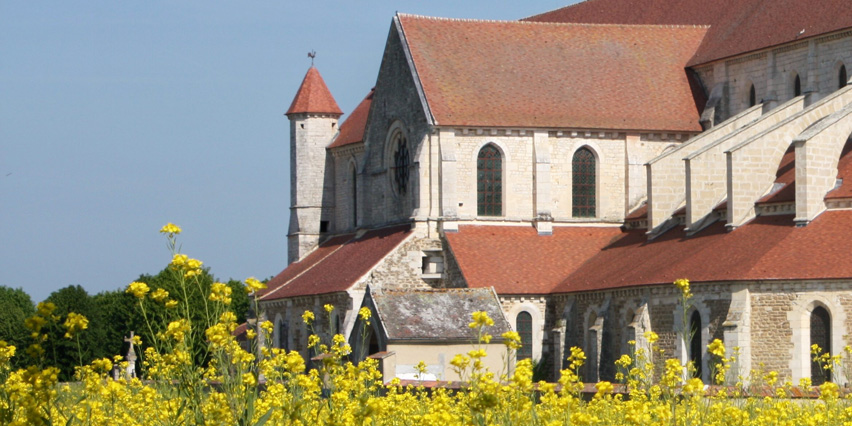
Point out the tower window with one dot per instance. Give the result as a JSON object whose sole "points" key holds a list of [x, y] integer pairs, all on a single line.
{"points": [[842, 78], [797, 86], [584, 185], [489, 182], [524, 327]]}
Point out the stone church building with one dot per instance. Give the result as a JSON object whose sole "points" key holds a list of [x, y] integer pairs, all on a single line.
{"points": [[564, 169]]}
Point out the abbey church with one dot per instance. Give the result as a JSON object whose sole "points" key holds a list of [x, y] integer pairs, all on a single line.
{"points": [[561, 171]]}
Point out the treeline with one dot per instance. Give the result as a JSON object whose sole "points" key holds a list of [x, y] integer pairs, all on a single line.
{"points": [[112, 316]]}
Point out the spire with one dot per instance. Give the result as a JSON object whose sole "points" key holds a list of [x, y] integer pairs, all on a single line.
{"points": [[313, 96]]}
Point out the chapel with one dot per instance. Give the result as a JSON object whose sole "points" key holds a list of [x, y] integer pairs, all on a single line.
{"points": [[562, 170]]}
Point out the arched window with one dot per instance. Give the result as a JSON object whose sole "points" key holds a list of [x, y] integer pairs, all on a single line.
{"points": [[695, 344], [283, 335], [524, 327], [752, 96], [489, 182], [820, 336], [584, 184], [401, 163], [797, 86], [353, 175], [842, 78]]}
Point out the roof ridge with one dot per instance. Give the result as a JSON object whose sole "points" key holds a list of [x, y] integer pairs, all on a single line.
{"points": [[555, 24]]}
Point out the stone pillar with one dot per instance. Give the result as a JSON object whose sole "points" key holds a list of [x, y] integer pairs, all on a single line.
{"points": [[449, 199], [542, 200]]}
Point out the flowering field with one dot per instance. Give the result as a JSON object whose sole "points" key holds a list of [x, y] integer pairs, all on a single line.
{"points": [[232, 386]]}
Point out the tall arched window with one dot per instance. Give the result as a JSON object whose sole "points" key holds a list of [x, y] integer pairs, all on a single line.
{"points": [[797, 86], [401, 163], [695, 345], [584, 184], [489, 182], [752, 96], [842, 78], [524, 327], [283, 335], [820, 336]]}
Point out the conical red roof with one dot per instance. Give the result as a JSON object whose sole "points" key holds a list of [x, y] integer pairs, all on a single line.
{"points": [[314, 97]]}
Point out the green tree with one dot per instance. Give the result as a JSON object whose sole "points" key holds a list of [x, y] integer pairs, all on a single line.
{"points": [[87, 345], [15, 306]]}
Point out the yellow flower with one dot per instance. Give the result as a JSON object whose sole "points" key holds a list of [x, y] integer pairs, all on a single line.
{"points": [[74, 324], [683, 285], [160, 295], [512, 340], [171, 304], [220, 292], [480, 319], [308, 317], [267, 326], [138, 289], [170, 228], [254, 285], [604, 388], [45, 309], [651, 337], [313, 340], [328, 308], [716, 347], [364, 313]]}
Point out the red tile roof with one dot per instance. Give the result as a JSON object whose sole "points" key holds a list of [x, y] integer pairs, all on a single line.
{"points": [[524, 74], [516, 260], [336, 264], [352, 129], [313, 96], [736, 26], [844, 172], [767, 248], [785, 180]]}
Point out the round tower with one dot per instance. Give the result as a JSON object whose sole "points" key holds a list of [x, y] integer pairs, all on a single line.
{"points": [[313, 119]]}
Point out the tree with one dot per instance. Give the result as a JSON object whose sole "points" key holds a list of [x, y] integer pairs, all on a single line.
{"points": [[15, 306], [86, 345]]}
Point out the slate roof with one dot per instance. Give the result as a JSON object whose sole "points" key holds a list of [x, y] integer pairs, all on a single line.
{"points": [[736, 26], [437, 314], [336, 264], [542, 75], [313, 96], [352, 129], [516, 260]]}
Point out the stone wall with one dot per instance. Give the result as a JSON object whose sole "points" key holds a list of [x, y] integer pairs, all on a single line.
{"points": [[772, 71]]}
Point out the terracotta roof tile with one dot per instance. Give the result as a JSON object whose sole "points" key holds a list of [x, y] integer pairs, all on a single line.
{"points": [[785, 180], [336, 264], [767, 248], [313, 96], [736, 26], [523, 74], [352, 129], [516, 260], [844, 172]]}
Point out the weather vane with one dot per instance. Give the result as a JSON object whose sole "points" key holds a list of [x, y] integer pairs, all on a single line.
{"points": [[312, 54]]}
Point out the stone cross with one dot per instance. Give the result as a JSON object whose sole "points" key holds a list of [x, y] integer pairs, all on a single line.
{"points": [[131, 358]]}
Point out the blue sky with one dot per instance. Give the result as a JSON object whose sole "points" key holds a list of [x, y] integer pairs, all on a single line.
{"points": [[117, 117]]}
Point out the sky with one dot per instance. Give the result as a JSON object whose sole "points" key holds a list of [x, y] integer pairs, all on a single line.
{"points": [[117, 117]]}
